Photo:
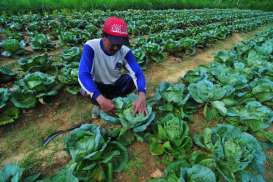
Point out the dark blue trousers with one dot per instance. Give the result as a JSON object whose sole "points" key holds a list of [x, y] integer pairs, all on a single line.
{"points": [[122, 87]]}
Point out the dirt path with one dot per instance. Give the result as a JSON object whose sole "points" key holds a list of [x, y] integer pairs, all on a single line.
{"points": [[22, 141], [174, 68]]}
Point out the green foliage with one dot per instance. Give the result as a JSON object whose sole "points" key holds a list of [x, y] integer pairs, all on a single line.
{"points": [[34, 86], [66, 174], [94, 155], [172, 136], [68, 75], [197, 173], [205, 91], [11, 47], [4, 97], [253, 115], [136, 4], [9, 115], [68, 38], [172, 98], [72, 54], [15, 173], [126, 116], [154, 52], [6, 74], [233, 151], [40, 42], [11, 172], [141, 57], [37, 63], [262, 90]]}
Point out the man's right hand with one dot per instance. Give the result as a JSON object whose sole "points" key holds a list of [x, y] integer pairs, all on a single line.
{"points": [[106, 104]]}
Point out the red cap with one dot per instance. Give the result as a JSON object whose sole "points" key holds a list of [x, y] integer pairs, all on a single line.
{"points": [[115, 26]]}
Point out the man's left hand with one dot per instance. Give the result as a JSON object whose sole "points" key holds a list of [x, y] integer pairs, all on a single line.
{"points": [[139, 105]]}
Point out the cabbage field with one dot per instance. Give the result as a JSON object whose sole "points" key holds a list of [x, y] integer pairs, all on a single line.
{"points": [[232, 96]]}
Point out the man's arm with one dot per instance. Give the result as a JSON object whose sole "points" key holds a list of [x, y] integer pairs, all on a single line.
{"points": [[84, 76], [140, 82], [135, 71], [86, 80]]}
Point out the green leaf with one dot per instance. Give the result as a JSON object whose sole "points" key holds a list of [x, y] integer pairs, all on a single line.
{"points": [[220, 106], [23, 100], [197, 173], [11, 172], [234, 151], [126, 117], [4, 97], [6, 74], [9, 115], [156, 148]]}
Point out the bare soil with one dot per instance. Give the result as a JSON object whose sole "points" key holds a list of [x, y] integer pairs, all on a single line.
{"points": [[142, 165]]}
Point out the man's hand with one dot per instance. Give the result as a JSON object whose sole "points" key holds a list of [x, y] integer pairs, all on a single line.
{"points": [[139, 105], [106, 104]]}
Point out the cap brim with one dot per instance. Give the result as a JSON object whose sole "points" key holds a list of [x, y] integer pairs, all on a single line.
{"points": [[119, 40]]}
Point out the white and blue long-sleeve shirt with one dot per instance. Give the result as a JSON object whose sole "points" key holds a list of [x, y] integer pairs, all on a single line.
{"points": [[96, 65]]}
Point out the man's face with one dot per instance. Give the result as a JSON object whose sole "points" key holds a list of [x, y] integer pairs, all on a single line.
{"points": [[113, 48]]}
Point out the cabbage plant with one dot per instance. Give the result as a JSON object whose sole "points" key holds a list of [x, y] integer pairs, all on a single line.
{"points": [[37, 63], [141, 57], [94, 155], [11, 172], [40, 42], [33, 87], [253, 116], [262, 90], [6, 74], [172, 136], [171, 97], [8, 114], [4, 97], [68, 75], [197, 173], [205, 92], [72, 54], [11, 47], [194, 173], [126, 117], [234, 152], [15, 173], [154, 52]]}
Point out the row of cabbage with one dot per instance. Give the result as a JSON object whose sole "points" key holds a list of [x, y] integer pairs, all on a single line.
{"points": [[174, 41], [35, 81], [179, 42], [51, 31], [235, 91], [142, 21]]}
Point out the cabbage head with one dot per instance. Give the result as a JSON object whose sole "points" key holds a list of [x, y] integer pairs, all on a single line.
{"points": [[233, 151], [172, 136], [126, 117]]}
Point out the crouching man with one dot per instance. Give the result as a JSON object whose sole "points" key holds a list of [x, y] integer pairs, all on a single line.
{"points": [[100, 70]]}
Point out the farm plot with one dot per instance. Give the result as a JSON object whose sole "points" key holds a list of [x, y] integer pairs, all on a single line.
{"points": [[31, 38], [236, 85]]}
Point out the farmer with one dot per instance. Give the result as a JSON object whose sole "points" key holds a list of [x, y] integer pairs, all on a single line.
{"points": [[100, 70]]}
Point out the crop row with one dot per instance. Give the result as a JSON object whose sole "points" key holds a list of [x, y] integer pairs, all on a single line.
{"points": [[57, 30]]}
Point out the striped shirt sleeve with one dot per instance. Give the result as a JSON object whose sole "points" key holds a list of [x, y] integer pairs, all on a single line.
{"points": [[84, 75], [135, 72]]}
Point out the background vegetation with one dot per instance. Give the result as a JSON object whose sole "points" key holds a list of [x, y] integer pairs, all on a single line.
{"points": [[37, 5]]}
